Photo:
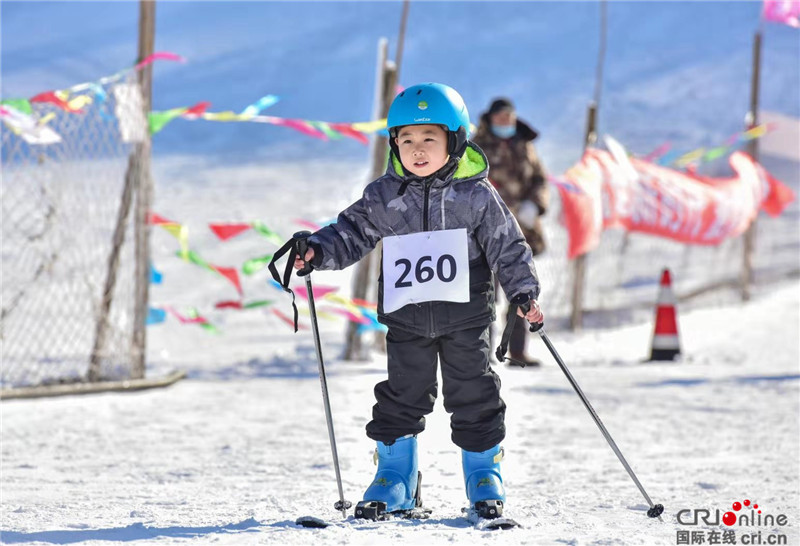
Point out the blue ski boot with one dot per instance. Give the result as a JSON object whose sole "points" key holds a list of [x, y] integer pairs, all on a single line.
{"points": [[483, 481], [397, 482]]}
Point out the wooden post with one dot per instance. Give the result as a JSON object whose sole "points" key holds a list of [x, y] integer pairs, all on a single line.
{"points": [[387, 80], [101, 328], [136, 171], [401, 38], [579, 263], [144, 195], [749, 239]]}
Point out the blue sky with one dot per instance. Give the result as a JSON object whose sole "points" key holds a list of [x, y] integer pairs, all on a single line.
{"points": [[675, 71]]}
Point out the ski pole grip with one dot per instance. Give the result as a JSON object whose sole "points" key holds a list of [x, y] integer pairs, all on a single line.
{"points": [[534, 326], [301, 238]]}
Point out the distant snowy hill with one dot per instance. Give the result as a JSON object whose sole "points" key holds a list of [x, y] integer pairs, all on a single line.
{"points": [[674, 71]]}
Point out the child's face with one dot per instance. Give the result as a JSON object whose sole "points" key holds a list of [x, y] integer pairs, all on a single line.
{"points": [[423, 148]]}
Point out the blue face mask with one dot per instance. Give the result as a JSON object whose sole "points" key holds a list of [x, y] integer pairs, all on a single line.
{"points": [[504, 131]]}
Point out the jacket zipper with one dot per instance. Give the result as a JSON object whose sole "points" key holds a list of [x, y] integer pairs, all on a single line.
{"points": [[425, 206], [425, 226]]}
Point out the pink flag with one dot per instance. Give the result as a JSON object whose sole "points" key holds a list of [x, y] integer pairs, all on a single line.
{"points": [[782, 11], [658, 152], [306, 223], [319, 291], [160, 56], [185, 320], [350, 316], [287, 320], [347, 130], [228, 231], [302, 126]]}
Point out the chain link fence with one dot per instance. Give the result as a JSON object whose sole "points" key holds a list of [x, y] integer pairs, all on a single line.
{"points": [[60, 204]]}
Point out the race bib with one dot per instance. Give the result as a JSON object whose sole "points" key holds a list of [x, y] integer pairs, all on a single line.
{"points": [[427, 266]]}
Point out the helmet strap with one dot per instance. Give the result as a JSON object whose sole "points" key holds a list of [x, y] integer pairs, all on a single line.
{"points": [[457, 142]]}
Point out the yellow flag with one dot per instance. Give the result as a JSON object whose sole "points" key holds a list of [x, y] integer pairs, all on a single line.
{"points": [[46, 118], [344, 302], [369, 126], [80, 101], [225, 116], [685, 159], [181, 233]]}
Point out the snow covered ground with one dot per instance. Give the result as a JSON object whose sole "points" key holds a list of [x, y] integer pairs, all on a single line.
{"points": [[236, 452]]}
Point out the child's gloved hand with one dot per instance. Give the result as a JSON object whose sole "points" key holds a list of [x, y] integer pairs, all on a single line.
{"points": [[534, 315], [300, 263]]}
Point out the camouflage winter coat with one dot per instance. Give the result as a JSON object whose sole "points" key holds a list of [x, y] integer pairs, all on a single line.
{"points": [[517, 173], [399, 204]]}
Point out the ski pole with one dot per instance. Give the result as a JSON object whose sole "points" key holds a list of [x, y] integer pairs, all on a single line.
{"points": [[655, 509], [302, 247]]}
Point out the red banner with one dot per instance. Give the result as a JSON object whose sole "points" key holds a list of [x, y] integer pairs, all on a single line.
{"points": [[599, 193]]}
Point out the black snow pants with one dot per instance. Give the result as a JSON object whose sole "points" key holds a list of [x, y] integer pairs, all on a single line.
{"points": [[471, 388]]}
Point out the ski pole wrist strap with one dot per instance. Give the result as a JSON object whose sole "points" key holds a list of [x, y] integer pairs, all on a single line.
{"points": [[291, 247], [511, 319]]}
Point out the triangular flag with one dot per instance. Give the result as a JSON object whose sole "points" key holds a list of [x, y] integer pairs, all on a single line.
{"points": [[254, 265], [287, 320], [224, 116], [229, 273], [369, 126], [156, 220], [319, 291], [155, 316], [193, 257], [157, 120], [310, 225], [228, 231], [301, 125], [53, 98], [347, 130], [268, 233], [326, 128], [258, 303], [23, 105], [261, 104], [197, 110], [231, 304], [159, 56]]}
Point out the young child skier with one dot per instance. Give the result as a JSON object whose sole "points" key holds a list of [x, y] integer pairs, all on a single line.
{"points": [[444, 229]]}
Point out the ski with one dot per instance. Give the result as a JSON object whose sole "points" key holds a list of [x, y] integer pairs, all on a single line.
{"points": [[311, 522], [488, 516], [483, 524], [376, 511], [419, 513]]}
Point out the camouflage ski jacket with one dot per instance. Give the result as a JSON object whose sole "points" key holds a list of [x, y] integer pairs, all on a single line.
{"points": [[398, 204]]}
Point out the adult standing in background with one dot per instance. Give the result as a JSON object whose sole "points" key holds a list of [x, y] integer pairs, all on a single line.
{"points": [[518, 175]]}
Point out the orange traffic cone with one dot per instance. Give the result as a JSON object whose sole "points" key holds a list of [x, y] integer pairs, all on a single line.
{"points": [[666, 345]]}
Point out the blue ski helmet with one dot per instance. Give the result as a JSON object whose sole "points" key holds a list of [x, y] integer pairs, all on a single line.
{"points": [[434, 104]]}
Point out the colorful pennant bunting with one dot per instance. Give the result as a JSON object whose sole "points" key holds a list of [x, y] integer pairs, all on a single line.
{"points": [[786, 12], [228, 231], [155, 316], [255, 265]]}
